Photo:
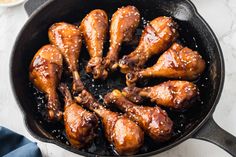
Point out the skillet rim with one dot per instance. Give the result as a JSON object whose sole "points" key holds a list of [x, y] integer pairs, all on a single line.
{"points": [[69, 148]]}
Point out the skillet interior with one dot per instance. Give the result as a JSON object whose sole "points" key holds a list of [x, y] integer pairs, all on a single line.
{"points": [[193, 33]]}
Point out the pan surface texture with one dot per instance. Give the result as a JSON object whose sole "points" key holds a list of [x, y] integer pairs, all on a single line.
{"points": [[194, 33]]}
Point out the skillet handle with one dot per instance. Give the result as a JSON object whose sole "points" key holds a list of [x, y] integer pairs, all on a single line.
{"points": [[213, 133], [32, 5]]}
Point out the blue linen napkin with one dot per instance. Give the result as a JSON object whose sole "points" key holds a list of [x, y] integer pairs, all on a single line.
{"points": [[15, 145]]}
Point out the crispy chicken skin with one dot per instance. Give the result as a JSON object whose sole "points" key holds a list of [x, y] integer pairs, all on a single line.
{"points": [[125, 135], [67, 38], [123, 25], [156, 37], [80, 125], [45, 73], [94, 28], [172, 94], [153, 120], [177, 62]]}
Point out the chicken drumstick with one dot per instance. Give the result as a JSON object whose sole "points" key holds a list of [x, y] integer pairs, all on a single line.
{"points": [[67, 38], [80, 125], [94, 29], [156, 37], [126, 136], [123, 25], [45, 74], [153, 120], [172, 94], [177, 62]]}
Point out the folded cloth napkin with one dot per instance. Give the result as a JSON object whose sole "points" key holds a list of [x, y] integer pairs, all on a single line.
{"points": [[15, 145]]}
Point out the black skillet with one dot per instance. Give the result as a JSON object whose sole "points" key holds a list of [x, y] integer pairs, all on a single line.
{"points": [[194, 32]]}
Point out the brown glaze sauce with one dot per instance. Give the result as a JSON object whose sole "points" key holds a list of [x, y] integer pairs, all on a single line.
{"points": [[184, 121]]}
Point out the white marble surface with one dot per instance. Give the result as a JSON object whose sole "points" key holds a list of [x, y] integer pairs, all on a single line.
{"points": [[220, 14]]}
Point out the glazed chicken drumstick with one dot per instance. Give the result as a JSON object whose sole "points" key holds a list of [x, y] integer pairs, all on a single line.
{"points": [[94, 28], [172, 94], [80, 125], [67, 38], [153, 120], [156, 37], [125, 135], [45, 74], [123, 25], [177, 62]]}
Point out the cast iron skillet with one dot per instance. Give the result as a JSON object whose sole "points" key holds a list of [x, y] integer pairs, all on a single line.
{"points": [[194, 31]]}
